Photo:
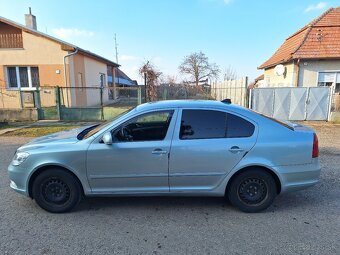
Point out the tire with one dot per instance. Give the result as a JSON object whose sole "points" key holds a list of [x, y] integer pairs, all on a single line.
{"points": [[56, 190], [252, 191]]}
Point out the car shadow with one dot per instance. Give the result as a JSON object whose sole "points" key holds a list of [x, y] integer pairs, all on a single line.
{"points": [[154, 202]]}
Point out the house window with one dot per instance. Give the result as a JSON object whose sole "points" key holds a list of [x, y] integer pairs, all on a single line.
{"points": [[22, 77], [12, 77], [328, 79]]}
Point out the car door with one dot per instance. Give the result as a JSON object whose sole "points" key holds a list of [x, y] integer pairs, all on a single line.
{"points": [[137, 160], [207, 144]]}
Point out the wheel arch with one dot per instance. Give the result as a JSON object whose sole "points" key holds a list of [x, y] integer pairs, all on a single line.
{"points": [[266, 169], [43, 168]]}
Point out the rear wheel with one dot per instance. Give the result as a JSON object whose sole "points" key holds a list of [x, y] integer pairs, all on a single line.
{"points": [[56, 190], [252, 191]]}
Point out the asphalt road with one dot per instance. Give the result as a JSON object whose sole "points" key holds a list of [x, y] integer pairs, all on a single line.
{"points": [[305, 222]]}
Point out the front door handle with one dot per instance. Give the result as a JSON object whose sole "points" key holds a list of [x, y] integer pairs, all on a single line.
{"points": [[235, 149], [158, 152]]}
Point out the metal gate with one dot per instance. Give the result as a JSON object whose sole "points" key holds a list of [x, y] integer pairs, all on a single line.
{"points": [[308, 103]]}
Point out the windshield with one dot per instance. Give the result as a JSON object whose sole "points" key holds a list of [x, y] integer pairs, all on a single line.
{"points": [[96, 128]]}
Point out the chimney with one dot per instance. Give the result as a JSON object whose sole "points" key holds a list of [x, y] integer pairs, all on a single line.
{"points": [[30, 20]]}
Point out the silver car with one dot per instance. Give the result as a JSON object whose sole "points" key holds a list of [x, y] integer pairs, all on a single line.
{"points": [[170, 148]]}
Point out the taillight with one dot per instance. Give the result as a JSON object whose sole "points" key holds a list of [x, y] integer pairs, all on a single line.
{"points": [[315, 153]]}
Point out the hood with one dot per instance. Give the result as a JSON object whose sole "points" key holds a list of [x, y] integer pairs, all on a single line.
{"points": [[63, 137]]}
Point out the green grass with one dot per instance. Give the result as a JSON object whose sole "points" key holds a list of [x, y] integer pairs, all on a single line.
{"points": [[38, 131]]}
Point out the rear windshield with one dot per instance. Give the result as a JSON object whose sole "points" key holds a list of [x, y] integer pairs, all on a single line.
{"points": [[275, 120]]}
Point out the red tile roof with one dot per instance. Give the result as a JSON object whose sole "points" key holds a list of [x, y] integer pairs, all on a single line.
{"points": [[320, 39], [253, 84]]}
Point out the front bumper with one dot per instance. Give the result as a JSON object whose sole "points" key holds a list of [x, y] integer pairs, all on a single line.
{"points": [[18, 179]]}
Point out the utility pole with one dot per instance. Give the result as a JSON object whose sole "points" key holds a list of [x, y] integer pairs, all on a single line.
{"points": [[116, 47]]}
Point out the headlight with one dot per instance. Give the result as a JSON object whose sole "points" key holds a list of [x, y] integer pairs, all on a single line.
{"points": [[19, 158]]}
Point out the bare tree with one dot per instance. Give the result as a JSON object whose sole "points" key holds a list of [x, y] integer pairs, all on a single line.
{"points": [[169, 80], [151, 78], [229, 74], [197, 66]]}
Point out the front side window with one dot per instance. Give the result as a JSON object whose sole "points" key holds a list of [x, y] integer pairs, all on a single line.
{"points": [[146, 127], [22, 77]]}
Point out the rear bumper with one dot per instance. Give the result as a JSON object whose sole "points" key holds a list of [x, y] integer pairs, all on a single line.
{"points": [[298, 177]]}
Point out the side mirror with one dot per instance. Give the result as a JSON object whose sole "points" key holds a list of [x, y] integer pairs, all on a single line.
{"points": [[107, 138]]}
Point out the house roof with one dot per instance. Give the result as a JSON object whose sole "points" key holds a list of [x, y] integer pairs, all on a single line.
{"points": [[65, 45], [253, 84], [319, 39], [122, 79]]}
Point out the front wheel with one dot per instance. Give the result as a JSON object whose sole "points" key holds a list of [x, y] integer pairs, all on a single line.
{"points": [[56, 190], [252, 191]]}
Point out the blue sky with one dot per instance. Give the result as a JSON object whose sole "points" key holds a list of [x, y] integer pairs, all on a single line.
{"points": [[237, 33]]}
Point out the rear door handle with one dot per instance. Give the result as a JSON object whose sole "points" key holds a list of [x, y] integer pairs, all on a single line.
{"points": [[158, 152], [235, 149]]}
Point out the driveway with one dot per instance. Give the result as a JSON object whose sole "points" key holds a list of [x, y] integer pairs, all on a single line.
{"points": [[305, 222]]}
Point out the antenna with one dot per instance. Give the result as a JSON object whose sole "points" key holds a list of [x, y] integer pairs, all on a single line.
{"points": [[116, 47]]}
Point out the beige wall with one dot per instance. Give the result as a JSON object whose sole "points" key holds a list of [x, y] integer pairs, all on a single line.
{"points": [[37, 51], [93, 69], [308, 74], [77, 66], [286, 80], [49, 57]]}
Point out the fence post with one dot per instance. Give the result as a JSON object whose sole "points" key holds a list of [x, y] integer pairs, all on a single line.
{"points": [[165, 93], [139, 95], [101, 102], [57, 101], [37, 102], [20, 98], [250, 98], [331, 94]]}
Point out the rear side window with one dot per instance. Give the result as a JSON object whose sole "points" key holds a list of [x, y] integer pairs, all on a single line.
{"points": [[202, 124], [238, 127], [209, 124]]}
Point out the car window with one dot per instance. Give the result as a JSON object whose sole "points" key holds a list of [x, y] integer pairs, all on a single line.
{"points": [[146, 127], [202, 124], [238, 127], [96, 128]]}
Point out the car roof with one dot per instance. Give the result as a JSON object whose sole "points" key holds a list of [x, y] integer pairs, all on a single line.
{"points": [[184, 104]]}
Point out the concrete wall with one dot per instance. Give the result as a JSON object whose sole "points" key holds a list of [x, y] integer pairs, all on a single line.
{"points": [[271, 79], [308, 74], [18, 115]]}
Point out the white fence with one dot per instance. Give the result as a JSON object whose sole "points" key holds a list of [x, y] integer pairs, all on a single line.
{"points": [[236, 90]]}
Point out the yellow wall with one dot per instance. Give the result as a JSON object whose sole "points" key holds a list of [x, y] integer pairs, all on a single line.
{"points": [[286, 80]]}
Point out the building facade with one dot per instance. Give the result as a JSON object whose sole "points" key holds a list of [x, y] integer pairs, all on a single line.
{"points": [[309, 57], [30, 59]]}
